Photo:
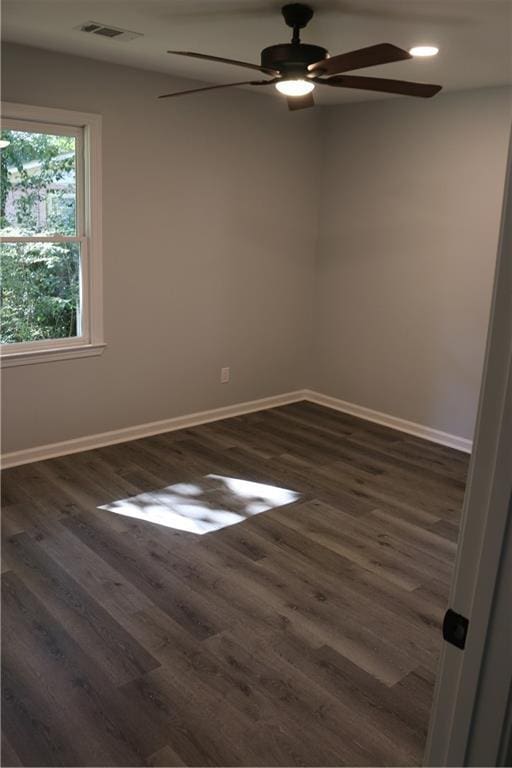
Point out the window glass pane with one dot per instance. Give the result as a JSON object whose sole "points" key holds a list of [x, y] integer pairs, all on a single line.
{"points": [[38, 184], [40, 291]]}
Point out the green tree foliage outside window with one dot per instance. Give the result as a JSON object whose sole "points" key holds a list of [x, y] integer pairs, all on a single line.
{"points": [[40, 288]]}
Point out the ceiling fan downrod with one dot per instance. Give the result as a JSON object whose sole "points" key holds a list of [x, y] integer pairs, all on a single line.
{"points": [[291, 60]]}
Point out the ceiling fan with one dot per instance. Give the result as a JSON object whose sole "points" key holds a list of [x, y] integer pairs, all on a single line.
{"points": [[296, 68]]}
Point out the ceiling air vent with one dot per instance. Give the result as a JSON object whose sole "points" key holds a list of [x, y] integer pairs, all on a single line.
{"points": [[115, 33]]}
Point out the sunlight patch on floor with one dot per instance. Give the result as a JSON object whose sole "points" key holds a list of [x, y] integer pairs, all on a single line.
{"points": [[186, 507]]}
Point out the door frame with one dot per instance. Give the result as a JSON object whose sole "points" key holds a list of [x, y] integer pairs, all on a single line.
{"points": [[471, 719]]}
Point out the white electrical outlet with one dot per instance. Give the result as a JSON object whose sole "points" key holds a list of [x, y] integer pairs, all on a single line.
{"points": [[224, 375]]}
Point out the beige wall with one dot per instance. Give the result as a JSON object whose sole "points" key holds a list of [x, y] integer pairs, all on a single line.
{"points": [[410, 206], [209, 231], [211, 228]]}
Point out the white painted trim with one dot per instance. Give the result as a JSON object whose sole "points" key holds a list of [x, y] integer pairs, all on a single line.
{"points": [[387, 420], [51, 115], [49, 354], [93, 225], [89, 442]]}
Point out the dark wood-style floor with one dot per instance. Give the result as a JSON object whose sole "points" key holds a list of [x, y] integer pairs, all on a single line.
{"points": [[307, 634]]}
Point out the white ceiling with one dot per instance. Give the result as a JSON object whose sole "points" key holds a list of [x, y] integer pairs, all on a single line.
{"points": [[474, 36]]}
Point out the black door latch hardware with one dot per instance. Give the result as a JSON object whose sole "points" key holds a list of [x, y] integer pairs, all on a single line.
{"points": [[455, 628]]}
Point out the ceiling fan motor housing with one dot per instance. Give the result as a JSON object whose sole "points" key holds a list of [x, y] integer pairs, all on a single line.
{"points": [[292, 59]]}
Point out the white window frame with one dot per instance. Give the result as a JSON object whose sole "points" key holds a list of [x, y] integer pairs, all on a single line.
{"points": [[87, 127]]}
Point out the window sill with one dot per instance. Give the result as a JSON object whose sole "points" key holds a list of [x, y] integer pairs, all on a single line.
{"points": [[50, 355]]}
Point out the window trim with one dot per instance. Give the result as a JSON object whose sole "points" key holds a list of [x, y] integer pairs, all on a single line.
{"points": [[89, 233]]}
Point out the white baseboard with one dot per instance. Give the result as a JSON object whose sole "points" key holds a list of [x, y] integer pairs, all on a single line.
{"points": [[410, 427], [89, 442]]}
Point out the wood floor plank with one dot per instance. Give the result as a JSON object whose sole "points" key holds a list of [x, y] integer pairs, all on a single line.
{"points": [[165, 758], [350, 576], [389, 488], [206, 728], [325, 615], [38, 731], [347, 598], [306, 634], [380, 531], [406, 449], [361, 551], [186, 607], [105, 727], [8, 756], [393, 708], [28, 486], [300, 701], [369, 710], [93, 627]]}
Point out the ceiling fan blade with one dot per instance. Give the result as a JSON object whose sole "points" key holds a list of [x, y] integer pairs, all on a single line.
{"points": [[424, 90], [384, 53], [300, 102], [213, 87], [236, 63]]}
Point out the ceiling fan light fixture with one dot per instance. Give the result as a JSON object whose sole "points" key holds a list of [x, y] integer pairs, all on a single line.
{"points": [[424, 51], [295, 87]]}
